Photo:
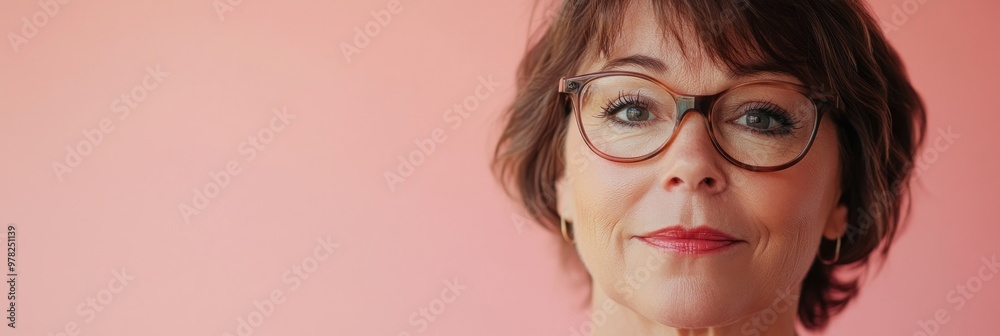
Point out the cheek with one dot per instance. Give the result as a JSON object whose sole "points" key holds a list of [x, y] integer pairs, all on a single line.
{"points": [[791, 207], [786, 213], [605, 194], [603, 191]]}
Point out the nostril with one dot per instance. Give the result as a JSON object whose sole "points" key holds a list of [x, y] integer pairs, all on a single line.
{"points": [[709, 181], [676, 180]]}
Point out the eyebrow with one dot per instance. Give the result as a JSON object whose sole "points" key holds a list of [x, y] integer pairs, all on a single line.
{"points": [[646, 62], [657, 66]]}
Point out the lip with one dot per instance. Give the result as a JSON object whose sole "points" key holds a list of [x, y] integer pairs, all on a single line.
{"points": [[702, 240]]}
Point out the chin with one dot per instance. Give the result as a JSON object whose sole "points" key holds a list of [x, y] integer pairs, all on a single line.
{"points": [[691, 303]]}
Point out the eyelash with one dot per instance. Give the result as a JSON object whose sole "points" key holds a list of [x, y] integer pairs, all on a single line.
{"points": [[624, 100], [788, 124]]}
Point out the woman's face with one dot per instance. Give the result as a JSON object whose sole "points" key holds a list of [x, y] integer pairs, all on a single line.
{"points": [[776, 218]]}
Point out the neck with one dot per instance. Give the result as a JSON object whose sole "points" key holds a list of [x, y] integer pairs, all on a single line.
{"points": [[621, 320]]}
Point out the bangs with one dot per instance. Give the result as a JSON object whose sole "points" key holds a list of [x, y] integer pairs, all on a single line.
{"points": [[735, 34]]}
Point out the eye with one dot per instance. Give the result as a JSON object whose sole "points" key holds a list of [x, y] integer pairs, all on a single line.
{"points": [[629, 110], [761, 120], [633, 114]]}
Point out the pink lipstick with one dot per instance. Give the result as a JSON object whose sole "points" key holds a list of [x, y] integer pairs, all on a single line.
{"points": [[702, 240]]}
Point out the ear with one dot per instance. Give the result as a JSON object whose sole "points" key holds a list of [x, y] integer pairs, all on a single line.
{"points": [[836, 224], [565, 204], [564, 198]]}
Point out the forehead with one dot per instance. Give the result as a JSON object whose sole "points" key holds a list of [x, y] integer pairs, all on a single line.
{"points": [[643, 44]]}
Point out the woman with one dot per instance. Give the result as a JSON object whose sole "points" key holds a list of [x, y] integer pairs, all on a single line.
{"points": [[713, 164]]}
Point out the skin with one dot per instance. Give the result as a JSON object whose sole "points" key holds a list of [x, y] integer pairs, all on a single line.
{"points": [[749, 289]]}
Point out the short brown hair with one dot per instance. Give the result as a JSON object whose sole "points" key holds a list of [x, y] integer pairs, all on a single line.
{"points": [[834, 44]]}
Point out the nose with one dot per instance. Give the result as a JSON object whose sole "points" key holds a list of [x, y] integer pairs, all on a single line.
{"points": [[692, 162]]}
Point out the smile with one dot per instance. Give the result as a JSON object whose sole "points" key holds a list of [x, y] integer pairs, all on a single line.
{"points": [[698, 241]]}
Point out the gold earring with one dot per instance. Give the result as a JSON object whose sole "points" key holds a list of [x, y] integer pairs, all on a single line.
{"points": [[836, 255], [565, 230]]}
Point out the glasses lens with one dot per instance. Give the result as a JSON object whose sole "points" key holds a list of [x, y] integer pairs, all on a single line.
{"points": [[625, 116], [763, 125]]}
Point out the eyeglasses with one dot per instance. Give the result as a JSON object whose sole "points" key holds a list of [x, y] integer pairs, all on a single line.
{"points": [[759, 126]]}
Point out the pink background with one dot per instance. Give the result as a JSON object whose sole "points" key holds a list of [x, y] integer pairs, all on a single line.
{"points": [[322, 174]]}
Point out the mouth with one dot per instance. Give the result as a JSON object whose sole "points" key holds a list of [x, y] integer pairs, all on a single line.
{"points": [[702, 240]]}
